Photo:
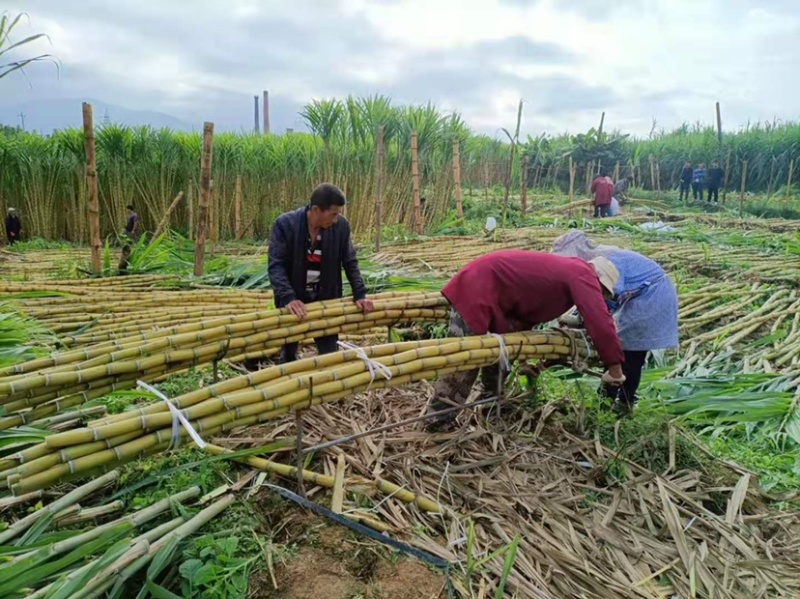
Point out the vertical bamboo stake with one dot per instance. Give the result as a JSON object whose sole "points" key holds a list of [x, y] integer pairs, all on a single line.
{"points": [[486, 179], [378, 188], [571, 179], [658, 180], [719, 134], [789, 180], [616, 172], [600, 130], [237, 208], [652, 173], [727, 174], [457, 178], [524, 196], [190, 208], [91, 180], [589, 171], [205, 196], [415, 184], [744, 183]]}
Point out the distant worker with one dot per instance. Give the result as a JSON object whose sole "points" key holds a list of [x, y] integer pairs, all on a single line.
{"points": [[714, 181], [698, 181], [133, 224], [308, 249], [603, 190], [686, 180], [644, 304], [513, 290], [13, 226], [621, 189]]}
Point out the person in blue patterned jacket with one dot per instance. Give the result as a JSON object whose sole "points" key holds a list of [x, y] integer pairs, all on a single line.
{"points": [[644, 306], [308, 249]]}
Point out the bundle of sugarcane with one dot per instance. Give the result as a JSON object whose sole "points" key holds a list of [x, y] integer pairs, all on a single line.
{"points": [[70, 378], [266, 395], [114, 314], [85, 563]]}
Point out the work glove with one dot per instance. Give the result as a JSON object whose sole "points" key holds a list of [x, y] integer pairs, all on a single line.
{"points": [[571, 318], [611, 380]]}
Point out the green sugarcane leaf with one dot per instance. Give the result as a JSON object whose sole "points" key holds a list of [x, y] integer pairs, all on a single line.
{"points": [[70, 586], [31, 575], [160, 592], [35, 531]]}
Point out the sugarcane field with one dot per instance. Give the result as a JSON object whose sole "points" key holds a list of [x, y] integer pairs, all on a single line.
{"points": [[390, 352]]}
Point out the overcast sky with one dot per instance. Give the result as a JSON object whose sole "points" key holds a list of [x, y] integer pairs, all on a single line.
{"points": [[569, 59]]}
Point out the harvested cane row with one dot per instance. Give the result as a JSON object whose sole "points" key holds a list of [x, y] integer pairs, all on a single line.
{"points": [[38, 388], [266, 395], [518, 473]]}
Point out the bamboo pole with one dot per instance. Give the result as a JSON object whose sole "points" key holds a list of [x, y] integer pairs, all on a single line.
{"points": [[727, 175], [744, 184], [571, 179], [237, 209], [205, 193], [789, 180], [190, 209], [91, 180], [457, 178], [652, 173], [658, 180], [524, 196], [486, 179], [165, 219], [719, 134], [378, 187], [415, 184], [600, 129], [616, 172]]}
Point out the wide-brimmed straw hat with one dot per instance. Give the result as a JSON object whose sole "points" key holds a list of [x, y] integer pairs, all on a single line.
{"points": [[606, 272]]}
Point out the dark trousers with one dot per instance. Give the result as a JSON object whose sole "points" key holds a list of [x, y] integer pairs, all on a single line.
{"points": [[632, 369], [684, 190], [325, 345], [715, 192], [601, 211], [697, 191]]}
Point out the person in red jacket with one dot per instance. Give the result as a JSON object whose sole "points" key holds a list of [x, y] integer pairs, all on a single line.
{"points": [[514, 290], [603, 190]]}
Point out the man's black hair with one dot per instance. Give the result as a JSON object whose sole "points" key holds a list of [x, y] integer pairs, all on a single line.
{"points": [[130, 207], [602, 173], [326, 195]]}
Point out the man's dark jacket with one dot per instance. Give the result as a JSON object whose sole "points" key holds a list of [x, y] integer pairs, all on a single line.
{"points": [[13, 225], [287, 259]]}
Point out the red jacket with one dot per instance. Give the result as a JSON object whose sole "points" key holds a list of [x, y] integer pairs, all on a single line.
{"points": [[513, 290], [603, 190]]}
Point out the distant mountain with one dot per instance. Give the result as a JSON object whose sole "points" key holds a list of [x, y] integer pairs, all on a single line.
{"points": [[45, 116]]}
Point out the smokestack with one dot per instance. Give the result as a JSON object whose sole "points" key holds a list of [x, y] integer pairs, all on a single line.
{"points": [[255, 109], [265, 110]]}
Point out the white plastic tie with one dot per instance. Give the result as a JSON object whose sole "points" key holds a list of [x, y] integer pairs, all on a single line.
{"points": [[503, 358], [178, 418], [373, 366]]}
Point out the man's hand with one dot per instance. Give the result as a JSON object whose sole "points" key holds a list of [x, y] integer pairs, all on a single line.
{"points": [[613, 376], [365, 305], [297, 308]]}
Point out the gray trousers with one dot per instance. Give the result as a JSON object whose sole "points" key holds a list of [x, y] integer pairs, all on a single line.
{"points": [[454, 389]]}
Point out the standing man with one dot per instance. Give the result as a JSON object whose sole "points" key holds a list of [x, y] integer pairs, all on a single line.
{"points": [[603, 190], [686, 180], [621, 189], [513, 290], [13, 226], [132, 226], [714, 181], [698, 181], [308, 249]]}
